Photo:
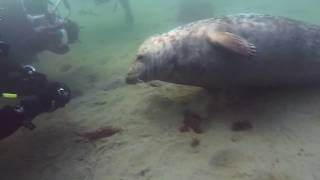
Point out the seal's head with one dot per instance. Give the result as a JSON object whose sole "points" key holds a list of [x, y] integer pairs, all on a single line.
{"points": [[136, 73], [178, 55], [151, 62]]}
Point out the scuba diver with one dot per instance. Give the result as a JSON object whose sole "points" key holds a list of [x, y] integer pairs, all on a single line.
{"points": [[34, 26], [37, 94], [126, 7], [50, 31]]}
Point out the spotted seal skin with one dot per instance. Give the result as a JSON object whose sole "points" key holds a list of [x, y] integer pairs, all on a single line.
{"points": [[233, 51]]}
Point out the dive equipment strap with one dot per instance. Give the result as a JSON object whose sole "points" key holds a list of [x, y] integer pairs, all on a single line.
{"points": [[9, 95]]}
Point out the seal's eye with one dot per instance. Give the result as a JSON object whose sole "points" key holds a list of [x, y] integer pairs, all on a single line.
{"points": [[139, 57]]}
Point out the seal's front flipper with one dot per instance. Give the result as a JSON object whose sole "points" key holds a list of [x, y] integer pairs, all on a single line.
{"points": [[232, 42]]}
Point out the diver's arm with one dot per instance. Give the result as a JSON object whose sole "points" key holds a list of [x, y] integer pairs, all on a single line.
{"points": [[53, 96], [128, 11], [67, 5], [21, 80], [12, 118], [50, 2], [61, 49], [33, 19]]}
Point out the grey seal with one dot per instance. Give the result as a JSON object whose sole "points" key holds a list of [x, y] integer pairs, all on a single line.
{"points": [[240, 50]]}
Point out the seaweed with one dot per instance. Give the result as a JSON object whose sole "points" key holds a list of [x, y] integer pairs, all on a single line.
{"points": [[100, 133], [192, 122], [241, 126], [195, 142], [100, 103]]}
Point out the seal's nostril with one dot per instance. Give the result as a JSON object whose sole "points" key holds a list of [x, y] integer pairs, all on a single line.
{"points": [[139, 57], [131, 80]]}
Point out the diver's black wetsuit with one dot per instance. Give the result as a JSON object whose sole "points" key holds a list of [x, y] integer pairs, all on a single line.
{"points": [[47, 27], [30, 27], [126, 7], [38, 95]]}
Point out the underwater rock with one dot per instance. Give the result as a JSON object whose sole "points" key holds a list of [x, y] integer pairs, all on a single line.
{"points": [[192, 10]]}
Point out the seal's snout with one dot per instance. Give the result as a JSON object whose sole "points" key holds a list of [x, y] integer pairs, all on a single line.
{"points": [[135, 73], [132, 80]]}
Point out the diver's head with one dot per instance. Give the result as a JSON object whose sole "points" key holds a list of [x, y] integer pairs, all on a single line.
{"points": [[154, 61], [73, 30]]}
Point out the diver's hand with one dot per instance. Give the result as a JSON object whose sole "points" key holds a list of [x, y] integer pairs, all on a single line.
{"points": [[28, 109], [31, 107]]}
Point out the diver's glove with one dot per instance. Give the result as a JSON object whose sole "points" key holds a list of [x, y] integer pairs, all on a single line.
{"points": [[29, 108]]}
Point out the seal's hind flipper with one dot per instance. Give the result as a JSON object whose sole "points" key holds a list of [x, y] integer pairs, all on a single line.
{"points": [[232, 42]]}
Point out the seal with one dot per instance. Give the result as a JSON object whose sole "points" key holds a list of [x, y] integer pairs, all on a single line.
{"points": [[242, 50]]}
